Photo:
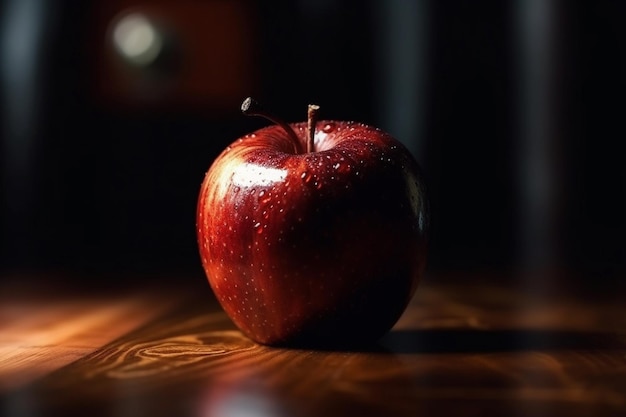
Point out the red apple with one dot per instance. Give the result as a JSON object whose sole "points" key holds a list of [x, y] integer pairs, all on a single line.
{"points": [[313, 234]]}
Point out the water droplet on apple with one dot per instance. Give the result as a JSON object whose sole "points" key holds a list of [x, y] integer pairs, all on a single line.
{"points": [[306, 177], [337, 165], [263, 198], [256, 225], [328, 127]]}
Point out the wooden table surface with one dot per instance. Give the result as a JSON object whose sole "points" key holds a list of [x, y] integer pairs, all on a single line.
{"points": [[470, 349]]}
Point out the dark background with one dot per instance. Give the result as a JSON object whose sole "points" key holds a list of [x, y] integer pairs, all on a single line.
{"points": [[514, 109]]}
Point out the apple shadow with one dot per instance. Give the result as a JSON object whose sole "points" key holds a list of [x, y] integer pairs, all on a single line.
{"points": [[485, 341], [476, 341]]}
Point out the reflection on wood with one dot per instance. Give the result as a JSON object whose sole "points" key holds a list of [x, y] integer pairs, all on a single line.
{"points": [[39, 335], [455, 352]]}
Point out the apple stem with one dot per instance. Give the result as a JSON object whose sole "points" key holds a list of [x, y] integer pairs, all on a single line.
{"points": [[311, 123], [251, 107]]}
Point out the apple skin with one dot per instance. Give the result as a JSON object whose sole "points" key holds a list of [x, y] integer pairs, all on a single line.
{"points": [[314, 249]]}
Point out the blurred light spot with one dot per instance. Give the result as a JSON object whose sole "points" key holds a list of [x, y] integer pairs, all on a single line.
{"points": [[240, 398], [536, 150], [137, 40], [401, 43]]}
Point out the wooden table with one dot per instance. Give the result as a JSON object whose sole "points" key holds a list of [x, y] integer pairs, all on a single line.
{"points": [[472, 349]]}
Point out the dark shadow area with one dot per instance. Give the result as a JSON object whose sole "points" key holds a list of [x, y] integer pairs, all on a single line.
{"points": [[101, 162], [475, 341], [485, 341]]}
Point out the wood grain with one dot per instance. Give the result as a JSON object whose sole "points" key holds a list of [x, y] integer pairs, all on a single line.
{"points": [[41, 331], [458, 350]]}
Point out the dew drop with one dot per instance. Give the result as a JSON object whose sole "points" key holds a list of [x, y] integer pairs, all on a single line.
{"points": [[264, 197], [328, 127], [306, 177]]}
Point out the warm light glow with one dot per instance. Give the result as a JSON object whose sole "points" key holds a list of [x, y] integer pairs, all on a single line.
{"points": [[37, 337], [137, 40]]}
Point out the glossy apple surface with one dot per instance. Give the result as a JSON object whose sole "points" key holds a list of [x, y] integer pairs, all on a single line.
{"points": [[313, 248]]}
